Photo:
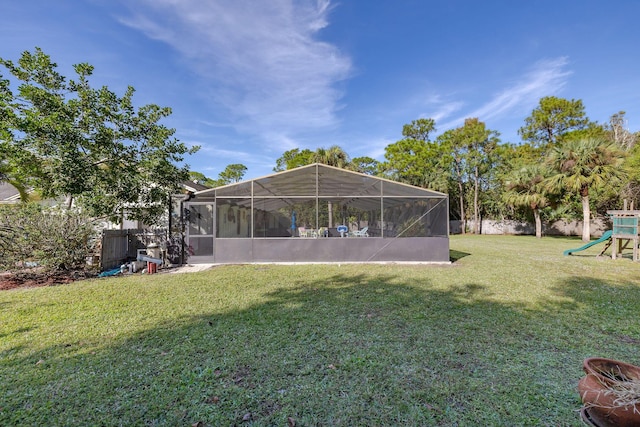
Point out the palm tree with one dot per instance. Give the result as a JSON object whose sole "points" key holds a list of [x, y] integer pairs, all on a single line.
{"points": [[584, 164], [525, 187], [332, 156]]}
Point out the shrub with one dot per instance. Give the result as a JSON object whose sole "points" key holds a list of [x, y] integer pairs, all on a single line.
{"points": [[53, 238]]}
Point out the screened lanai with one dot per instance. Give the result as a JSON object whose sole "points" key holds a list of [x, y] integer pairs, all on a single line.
{"points": [[317, 213]]}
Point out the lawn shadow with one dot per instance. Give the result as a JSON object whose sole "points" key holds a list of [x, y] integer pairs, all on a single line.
{"points": [[336, 350], [610, 309], [17, 331], [455, 255]]}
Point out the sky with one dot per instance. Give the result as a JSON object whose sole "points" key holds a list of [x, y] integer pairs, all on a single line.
{"points": [[248, 80]]}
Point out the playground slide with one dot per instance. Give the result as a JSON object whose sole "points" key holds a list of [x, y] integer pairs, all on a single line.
{"points": [[606, 236]]}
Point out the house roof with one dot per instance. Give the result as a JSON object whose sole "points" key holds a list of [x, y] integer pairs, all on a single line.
{"points": [[8, 193], [193, 186]]}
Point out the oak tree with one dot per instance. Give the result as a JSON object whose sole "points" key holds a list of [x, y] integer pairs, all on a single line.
{"points": [[89, 145]]}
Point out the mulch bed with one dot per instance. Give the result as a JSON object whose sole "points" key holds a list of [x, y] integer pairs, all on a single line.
{"points": [[30, 279]]}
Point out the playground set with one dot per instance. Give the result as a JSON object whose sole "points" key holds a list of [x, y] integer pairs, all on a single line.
{"points": [[623, 233]]}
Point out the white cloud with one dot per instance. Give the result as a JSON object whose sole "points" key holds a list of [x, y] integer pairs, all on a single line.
{"points": [[375, 148], [261, 60], [546, 78], [445, 109], [222, 153]]}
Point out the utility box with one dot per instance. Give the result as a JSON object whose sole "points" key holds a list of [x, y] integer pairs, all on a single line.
{"points": [[153, 250]]}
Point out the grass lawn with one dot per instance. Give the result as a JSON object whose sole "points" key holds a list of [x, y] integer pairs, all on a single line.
{"points": [[497, 338]]}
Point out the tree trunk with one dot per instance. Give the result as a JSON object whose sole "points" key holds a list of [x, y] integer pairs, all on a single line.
{"points": [[462, 219], [476, 213], [586, 217], [536, 215], [461, 190], [24, 194]]}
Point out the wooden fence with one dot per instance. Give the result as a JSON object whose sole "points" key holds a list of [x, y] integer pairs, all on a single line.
{"points": [[120, 246]]}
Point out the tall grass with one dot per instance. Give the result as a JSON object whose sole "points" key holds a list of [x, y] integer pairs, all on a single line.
{"points": [[496, 338]]}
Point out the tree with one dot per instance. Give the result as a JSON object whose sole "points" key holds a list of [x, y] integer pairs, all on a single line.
{"points": [[332, 156], [480, 142], [470, 149], [526, 187], [88, 145], [200, 178], [293, 158], [405, 161], [233, 173], [551, 120], [419, 129], [197, 177], [410, 159], [9, 172], [617, 131], [451, 144], [581, 165], [631, 190], [15, 162], [366, 165]]}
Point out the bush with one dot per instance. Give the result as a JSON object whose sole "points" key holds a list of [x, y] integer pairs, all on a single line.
{"points": [[53, 238]]}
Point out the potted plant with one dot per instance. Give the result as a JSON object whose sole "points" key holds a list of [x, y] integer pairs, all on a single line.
{"points": [[610, 393]]}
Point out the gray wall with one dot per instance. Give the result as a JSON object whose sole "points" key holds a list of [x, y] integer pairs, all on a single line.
{"points": [[556, 228], [352, 249]]}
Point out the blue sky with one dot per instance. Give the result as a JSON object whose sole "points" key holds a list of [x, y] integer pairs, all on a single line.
{"points": [[250, 79]]}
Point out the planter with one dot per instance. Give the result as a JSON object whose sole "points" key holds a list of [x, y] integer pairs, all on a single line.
{"points": [[600, 392]]}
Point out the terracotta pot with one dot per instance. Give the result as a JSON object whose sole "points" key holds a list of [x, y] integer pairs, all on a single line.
{"points": [[595, 391]]}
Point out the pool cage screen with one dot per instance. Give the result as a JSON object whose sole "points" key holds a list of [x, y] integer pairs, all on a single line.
{"points": [[317, 213]]}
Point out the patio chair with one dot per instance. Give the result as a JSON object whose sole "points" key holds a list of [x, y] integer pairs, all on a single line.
{"points": [[360, 233]]}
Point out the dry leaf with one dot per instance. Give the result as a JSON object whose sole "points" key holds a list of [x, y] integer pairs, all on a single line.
{"points": [[213, 399], [39, 362], [332, 366], [431, 407], [247, 417], [198, 424], [291, 422]]}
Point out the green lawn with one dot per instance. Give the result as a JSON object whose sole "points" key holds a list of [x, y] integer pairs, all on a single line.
{"points": [[496, 338]]}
